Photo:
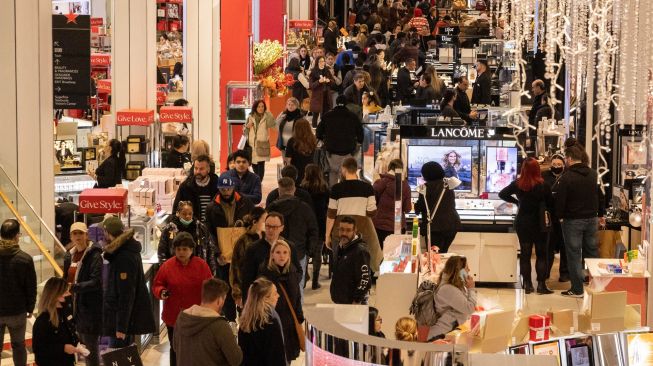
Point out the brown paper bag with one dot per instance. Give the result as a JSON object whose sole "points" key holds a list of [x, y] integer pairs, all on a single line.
{"points": [[607, 240], [227, 237]]}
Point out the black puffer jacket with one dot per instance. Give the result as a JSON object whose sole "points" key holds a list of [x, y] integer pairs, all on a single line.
{"points": [[446, 218], [577, 194], [205, 247], [87, 289], [300, 224], [18, 285], [128, 305], [351, 272]]}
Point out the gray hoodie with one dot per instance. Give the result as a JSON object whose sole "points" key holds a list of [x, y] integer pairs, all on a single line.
{"points": [[203, 337]]}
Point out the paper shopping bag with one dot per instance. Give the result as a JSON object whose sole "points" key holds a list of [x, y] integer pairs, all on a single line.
{"points": [[127, 356], [227, 238]]}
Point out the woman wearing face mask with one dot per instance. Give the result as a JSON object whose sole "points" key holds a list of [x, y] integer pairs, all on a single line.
{"points": [[255, 224], [179, 283], [455, 297], [260, 336], [286, 278], [556, 241], [184, 221], [53, 335]]}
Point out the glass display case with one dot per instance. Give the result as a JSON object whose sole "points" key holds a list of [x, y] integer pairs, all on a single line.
{"points": [[240, 96]]}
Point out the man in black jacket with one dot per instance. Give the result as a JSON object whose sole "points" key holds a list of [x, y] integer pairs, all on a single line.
{"points": [[331, 38], [537, 88], [461, 104], [341, 130], [301, 225], [199, 188], [405, 82], [257, 255], [127, 302], [225, 211], [351, 273], [289, 171], [354, 92], [17, 289], [579, 206], [482, 93]]}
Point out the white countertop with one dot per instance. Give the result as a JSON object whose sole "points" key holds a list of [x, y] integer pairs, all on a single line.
{"points": [[595, 271]]}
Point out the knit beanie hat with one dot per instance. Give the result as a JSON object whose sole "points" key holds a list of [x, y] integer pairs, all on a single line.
{"points": [[113, 225], [417, 12], [432, 171]]}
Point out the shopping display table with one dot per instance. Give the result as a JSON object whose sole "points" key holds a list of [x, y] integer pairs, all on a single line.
{"points": [[635, 285]]}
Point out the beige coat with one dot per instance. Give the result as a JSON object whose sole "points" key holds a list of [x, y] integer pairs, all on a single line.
{"points": [[260, 135]]}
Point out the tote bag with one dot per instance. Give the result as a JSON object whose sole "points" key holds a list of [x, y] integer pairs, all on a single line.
{"points": [[127, 356], [227, 238]]}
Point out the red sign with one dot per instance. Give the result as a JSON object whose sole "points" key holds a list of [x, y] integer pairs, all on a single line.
{"points": [[103, 86], [97, 21], [176, 114], [170, 1], [100, 59], [103, 200], [94, 31], [300, 24], [135, 117], [161, 97]]}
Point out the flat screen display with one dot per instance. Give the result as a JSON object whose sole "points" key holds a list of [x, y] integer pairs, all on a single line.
{"points": [[551, 348], [455, 160], [521, 349], [579, 351], [640, 349], [501, 167]]}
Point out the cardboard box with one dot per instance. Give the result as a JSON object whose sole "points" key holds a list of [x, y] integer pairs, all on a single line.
{"points": [[607, 312], [520, 330], [633, 316], [561, 321]]}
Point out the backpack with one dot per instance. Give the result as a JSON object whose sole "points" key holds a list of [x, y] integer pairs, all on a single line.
{"points": [[423, 305]]}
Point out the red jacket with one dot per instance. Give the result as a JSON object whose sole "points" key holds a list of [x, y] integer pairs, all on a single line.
{"points": [[384, 190], [184, 284]]}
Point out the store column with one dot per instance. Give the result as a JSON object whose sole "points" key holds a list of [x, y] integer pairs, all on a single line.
{"points": [[26, 141]]}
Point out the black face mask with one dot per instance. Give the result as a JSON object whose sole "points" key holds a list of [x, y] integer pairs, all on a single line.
{"points": [[557, 170]]}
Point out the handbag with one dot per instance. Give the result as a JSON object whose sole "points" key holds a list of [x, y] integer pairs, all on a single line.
{"points": [[127, 356], [227, 238], [546, 223], [459, 5], [298, 327], [243, 140], [263, 148]]}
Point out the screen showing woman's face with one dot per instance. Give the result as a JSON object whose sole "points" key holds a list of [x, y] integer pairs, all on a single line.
{"points": [[451, 158]]}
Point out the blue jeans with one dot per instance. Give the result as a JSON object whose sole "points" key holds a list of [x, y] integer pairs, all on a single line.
{"points": [[304, 263], [580, 242]]}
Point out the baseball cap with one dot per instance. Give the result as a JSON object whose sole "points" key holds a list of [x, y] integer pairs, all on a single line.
{"points": [[79, 226], [113, 225], [224, 181]]}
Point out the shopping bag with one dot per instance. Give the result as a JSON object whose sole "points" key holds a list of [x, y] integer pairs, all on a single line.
{"points": [[227, 238], [607, 240], [243, 140], [127, 356]]}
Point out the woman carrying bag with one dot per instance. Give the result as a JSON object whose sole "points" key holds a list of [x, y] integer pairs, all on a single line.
{"points": [[259, 122]]}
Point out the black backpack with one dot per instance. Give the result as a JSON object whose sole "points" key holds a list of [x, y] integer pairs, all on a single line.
{"points": [[423, 305]]}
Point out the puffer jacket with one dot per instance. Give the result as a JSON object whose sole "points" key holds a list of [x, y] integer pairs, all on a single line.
{"points": [[127, 305], [205, 246], [384, 190], [18, 285]]}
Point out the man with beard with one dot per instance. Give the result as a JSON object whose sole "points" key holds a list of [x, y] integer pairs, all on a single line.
{"points": [[351, 273], [224, 211], [199, 188]]}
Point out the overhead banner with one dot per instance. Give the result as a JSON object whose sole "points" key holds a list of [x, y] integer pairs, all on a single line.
{"points": [[71, 61]]}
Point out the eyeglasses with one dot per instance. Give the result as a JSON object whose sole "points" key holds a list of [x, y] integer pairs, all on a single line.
{"points": [[272, 226]]}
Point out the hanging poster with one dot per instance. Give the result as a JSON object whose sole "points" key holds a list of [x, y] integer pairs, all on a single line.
{"points": [[71, 61]]}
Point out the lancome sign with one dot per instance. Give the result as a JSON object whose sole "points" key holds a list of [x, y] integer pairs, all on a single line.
{"points": [[459, 133]]}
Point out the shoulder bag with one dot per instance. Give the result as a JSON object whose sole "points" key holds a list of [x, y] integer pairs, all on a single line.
{"points": [[298, 327]]}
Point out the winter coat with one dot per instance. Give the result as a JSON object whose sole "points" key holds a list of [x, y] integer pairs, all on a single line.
{"points": [[405, 85], [577, 195], [340, 130], [258, 137], [300, 193], [127, 303], [48, 342], [462, 106], [321, 100], [446, 218], [299, 159], [366, 231], [237, 262], [249, 185], [527, 221], [351, 272], [184, 284], [175, 159], [18, 285], [355, 96], [216, 216], [331, 41], [320, 206], [284, 118], [258, 255], [290, 282], [189, 190], [384, 191], [264, 347], [300, 224], [205, 246], [109, 173], [87, 289], [203, 337]]}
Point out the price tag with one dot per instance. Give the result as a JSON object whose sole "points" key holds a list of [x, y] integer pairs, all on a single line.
{"points": [[596, 327], [539, 335]]}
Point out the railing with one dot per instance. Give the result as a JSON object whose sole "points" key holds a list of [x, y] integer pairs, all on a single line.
{"points": [[40, 242]]}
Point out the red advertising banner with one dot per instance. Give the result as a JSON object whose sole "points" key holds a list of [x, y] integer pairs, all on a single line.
{"points": [[300, 24], [135, 117], [176, 114], [103, 86], [103, 200], [97, 21], [100, 59], [161, 97]]}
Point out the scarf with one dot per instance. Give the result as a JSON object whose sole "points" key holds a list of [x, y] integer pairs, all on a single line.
{"points": [[202, 182], [291, 116]]}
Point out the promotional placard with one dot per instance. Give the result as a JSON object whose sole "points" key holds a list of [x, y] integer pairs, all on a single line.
{"points": [[71, 64], [100, 59], [176, 114], [300, 24], [103, 86], [135, 117], [103, 200]]}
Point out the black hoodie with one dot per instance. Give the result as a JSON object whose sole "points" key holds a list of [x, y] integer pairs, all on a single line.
{"points": [[577, 194], [351, 272]]}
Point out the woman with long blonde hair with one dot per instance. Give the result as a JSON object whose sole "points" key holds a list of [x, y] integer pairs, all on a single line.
{"points": [[301, 147], [260, 336], [286, 278], [54, 337]]}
